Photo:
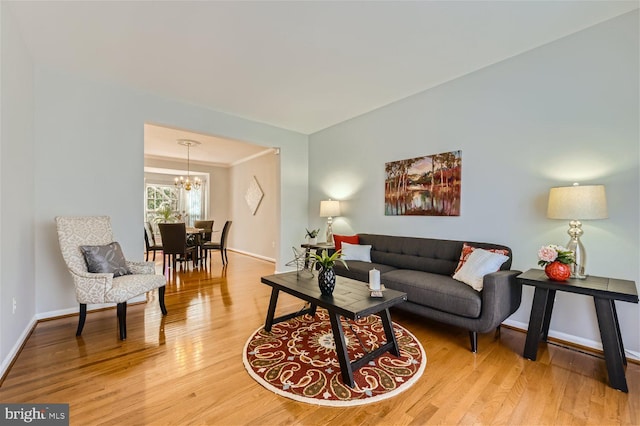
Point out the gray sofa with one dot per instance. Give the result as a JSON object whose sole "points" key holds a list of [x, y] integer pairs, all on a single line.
{"points": [[423, 268]]}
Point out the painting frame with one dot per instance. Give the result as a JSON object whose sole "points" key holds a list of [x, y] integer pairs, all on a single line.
{"points": [[430, 185]]}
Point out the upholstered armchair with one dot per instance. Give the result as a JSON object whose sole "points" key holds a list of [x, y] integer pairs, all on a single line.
{"points": [[87, 244]]}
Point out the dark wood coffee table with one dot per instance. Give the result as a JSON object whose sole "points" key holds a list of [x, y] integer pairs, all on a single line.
{"points": [[351, 299]]}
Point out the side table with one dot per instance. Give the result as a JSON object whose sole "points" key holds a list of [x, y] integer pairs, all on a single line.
{"points": [[605, 291], [317, 246]]}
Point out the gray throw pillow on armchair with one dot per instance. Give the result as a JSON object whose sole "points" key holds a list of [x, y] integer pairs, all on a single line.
{"points": [[106, 259]]}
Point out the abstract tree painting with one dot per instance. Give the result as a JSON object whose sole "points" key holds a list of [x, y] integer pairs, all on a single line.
{"points": [[424, 186]]}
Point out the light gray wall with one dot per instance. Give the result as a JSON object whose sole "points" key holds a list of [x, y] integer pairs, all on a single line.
{"points": [[17, 242], [75, 146], [255, 234], [218, 197], [564, 112], [90, 134]]}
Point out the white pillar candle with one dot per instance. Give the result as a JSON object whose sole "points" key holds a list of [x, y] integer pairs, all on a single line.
{"points": [[374, 279]]}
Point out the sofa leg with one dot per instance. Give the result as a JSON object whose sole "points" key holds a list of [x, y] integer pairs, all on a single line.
{"points": [[497, 335], [473, 337]]}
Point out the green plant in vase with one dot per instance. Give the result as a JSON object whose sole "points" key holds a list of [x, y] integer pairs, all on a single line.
{"points": [[326, 274]]}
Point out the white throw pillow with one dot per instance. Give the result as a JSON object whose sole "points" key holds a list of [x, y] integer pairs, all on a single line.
{"points": [[479, 263], [356, 252]]}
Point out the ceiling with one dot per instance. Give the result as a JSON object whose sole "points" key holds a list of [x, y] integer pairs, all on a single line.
{"points": [[162, 142], [298, 65]]}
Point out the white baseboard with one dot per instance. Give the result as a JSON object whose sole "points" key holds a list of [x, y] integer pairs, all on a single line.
{"points": [[588, 343], [94, 307], [13, 353], [6, 363], [257, 256]]}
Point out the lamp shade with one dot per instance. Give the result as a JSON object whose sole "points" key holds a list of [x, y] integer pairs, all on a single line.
{"points": [[329, 208], [577, 202]]}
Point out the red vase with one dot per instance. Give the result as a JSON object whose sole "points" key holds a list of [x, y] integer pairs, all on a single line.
{"points": [[558, 271]]}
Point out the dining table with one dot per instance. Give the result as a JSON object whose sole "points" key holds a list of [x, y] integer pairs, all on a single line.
{"points": [[199, 235]]}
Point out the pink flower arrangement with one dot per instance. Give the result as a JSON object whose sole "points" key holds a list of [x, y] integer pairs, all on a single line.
{"points": [[553, 253]]}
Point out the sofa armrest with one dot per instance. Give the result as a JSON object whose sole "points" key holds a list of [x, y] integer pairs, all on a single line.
{"points": [[501, 297]]}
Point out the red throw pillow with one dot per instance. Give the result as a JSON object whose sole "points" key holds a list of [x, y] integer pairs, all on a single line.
{"points": [[339, 239], [467, 250]]}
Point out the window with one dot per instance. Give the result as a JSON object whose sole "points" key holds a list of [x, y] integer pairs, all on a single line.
{"points": [[157, 197], [191, 203], [187, 206]]}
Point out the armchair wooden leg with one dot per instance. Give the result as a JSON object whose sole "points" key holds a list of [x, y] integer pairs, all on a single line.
{"points": [[163, 308], [122, 320], [473, 337], [81, 318]]}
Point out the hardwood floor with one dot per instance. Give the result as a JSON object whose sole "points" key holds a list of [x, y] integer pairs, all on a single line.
{"points": [[186, 368]]}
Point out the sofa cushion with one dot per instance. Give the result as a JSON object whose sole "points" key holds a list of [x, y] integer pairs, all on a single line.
{"points": [[436, 291], [359, 270], [467, 249], [480, 263], [339, 239], [356, 252], [422, 254], [105, 259]]}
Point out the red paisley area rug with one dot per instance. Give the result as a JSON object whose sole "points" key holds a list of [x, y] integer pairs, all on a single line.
{"points": [[297, 360]]}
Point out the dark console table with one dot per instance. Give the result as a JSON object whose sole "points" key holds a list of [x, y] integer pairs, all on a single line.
{"points": [[605, 291]]}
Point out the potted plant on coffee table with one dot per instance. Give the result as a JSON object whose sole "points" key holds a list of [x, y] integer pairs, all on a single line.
{"points": [[326, 274]]}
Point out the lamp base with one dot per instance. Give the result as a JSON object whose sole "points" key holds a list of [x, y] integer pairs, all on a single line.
{"points": [[329, 235], [329, 231], [575, 245]]}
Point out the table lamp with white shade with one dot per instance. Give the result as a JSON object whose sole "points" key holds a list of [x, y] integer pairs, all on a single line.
{"points": [[576, 203], [329, 209]]}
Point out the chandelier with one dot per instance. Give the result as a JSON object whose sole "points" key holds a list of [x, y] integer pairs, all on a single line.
{"points": [[187, 183]]}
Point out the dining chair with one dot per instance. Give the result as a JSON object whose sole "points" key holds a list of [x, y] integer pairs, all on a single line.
{"points": [[205, 236], [100, 272], [221, 245], [150, 241], [174, 244], [207, 225]]}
